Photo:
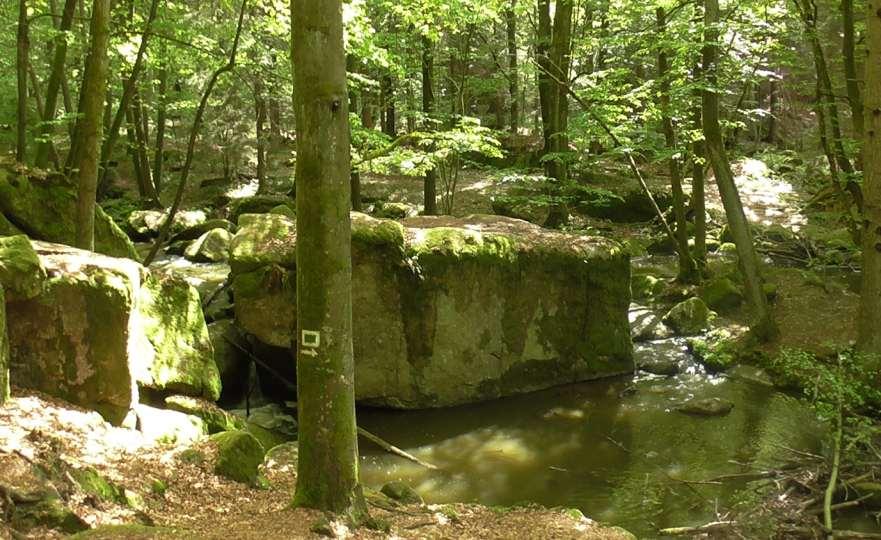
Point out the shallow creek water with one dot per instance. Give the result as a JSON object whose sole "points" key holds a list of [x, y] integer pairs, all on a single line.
{"points": [[616, 449]]}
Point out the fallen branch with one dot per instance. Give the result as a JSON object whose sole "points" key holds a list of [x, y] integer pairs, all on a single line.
{"points": [[843, 505], [709, 527], [833, 479]]}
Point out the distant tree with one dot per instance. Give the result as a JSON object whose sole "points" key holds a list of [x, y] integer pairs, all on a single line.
{"points": [[327, 473], [21, 67]]}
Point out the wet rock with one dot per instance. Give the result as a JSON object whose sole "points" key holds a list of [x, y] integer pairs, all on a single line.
{"points": [[721, 294], [706, 407], [645, 325], [401, 492], [214, 418], [659, 358], [169, 426], [751, 374], [450, 310], [689, 317], [102, 324], [21, 272], [213, 246], [46, 209], [239, 455]]}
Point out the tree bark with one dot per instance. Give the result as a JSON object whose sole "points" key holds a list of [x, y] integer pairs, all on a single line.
{"points": [[687, 267], [513, 68], [850, 68], [142, 135], [429, 192], [88, 127], [327, 472], [698, 177], [389, 110], [21, 71], [869, 319], [762, 323], [56, 78], [159, 149], [260, 110]]}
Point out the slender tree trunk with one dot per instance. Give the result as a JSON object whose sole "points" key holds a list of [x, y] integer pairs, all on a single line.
{"points": [[850, 68], [158, 153], [128, 89], [513, 69], [389, 113], [698, 178], [430, 185], [56, 78], [687, 268], [762, 323], [132, 140], [88, 127], [869, 319], [260, 109], [142, 135], [773, 106], [21, 66], [327, 472]]}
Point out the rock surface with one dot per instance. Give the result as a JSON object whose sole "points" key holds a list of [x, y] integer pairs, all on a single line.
{"points": [[451, 310], [21, 272], [721, 294], [213, 246], [706, 407], [45, 208], [239, 455], [101, 327], [689, 317]]}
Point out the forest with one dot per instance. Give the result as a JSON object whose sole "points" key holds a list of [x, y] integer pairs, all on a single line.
{"points": [[380, 269]]}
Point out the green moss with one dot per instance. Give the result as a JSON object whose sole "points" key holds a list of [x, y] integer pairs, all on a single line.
{"points": [[239, 454], [215, 418], [263, 239], [689, 317], [284, 210], [94, 484], [191, 456], [50, 513], [21, 272], [374, 232], [721, 294], [158, 487]]}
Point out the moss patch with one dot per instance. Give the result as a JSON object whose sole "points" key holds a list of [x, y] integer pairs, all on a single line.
{"points": [[21, 272], [239, 454]]}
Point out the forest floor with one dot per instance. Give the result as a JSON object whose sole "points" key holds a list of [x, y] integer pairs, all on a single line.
{"points": [[39, 433]]}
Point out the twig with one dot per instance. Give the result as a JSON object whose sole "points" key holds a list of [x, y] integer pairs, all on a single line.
{"points": [[845, 504], [833, 479], [709, 527]]}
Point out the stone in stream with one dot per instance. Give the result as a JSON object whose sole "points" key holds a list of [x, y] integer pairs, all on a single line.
{"points": [[646, 326], [145, 224], [45, 209], [689, 317], [213, 246], [449, 310], [101, 327], [706, 407], [659, 357]]}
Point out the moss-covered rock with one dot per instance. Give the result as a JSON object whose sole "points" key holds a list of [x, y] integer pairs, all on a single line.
{"points": [[213, 246], [215, 419], [4, 350], [270, 424], [284, 210], [239, 455], [721, 294], [257, 204], [451, 310], [21, 272], [706, 407], [191, 233], [689, 317], [395, 210], [45, 209], [401, 492], [49, 512], [145, 224], [92, 483], [644, 286]]}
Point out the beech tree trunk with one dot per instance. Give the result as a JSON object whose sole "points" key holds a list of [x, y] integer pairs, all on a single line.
{"points": [[89, 127], [21, 71], [159, 149], [53, 86], [327, 472], [513, 69], [854, 98], [429, 192], [762, 323], [869, 319], [389, 110]]}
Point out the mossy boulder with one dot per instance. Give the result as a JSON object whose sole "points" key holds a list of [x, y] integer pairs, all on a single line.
{"points": [[214, 418], [4, 350], [270, 424], [213, 246], [284, 210], [195, 231], [395, 210], [49, 512], [45, 209], [91, 482], [401, 492], [239, 455], [721, 294], [101, 326], [21, 272], [257, 204], [644, 286], [145, 224], [689, 317], [182, 355], [452, 310]]}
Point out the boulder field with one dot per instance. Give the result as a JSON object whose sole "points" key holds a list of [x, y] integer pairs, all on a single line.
{"points": [[97, 330], [449, 311]]}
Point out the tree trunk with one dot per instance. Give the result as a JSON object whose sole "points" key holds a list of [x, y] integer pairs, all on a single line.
{"points": [[869, 320], [687, 268], [513, 69], [327, 472], [88, 128], [389, 112], [762, 324], [128, 89], [260, 109], [850, 68], [56, 78], [21, 70], [159, 149], [133, 152], [430, 186], [142, 135]]}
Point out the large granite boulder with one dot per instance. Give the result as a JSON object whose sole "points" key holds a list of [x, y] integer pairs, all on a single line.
{"points": [[449, 310], [101, 327], [45, 209]]}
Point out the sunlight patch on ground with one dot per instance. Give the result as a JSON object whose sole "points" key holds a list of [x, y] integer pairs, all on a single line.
{"points": [[245, 190]]}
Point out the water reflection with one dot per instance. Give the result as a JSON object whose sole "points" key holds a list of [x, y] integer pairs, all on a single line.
{"points": [[616, 449]]}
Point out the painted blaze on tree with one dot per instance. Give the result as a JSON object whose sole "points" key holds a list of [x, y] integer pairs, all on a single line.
{"points": [[328, 464]]}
